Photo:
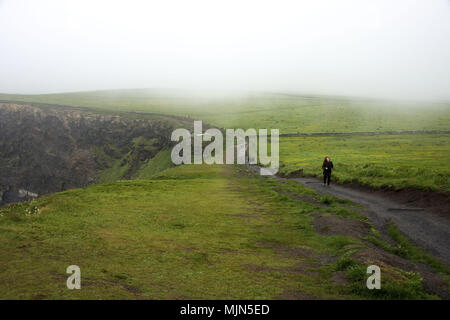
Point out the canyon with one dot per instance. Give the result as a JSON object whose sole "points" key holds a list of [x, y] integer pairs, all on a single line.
{"points": [[51, 148]]}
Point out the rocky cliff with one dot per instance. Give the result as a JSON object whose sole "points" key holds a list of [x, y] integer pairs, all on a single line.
{"points": [[49, 149]]}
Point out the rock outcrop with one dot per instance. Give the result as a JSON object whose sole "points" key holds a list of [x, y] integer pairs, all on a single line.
{"points": [[49, 149]]}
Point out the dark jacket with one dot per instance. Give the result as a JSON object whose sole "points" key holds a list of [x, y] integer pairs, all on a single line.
{"points": [[328, 165]]}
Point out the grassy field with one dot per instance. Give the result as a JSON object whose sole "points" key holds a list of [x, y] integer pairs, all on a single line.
{"points": [[191, 232], [394, 161], [288, 113], [219, 232]]}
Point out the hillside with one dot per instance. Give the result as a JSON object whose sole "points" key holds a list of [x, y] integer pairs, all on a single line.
{"points": [[287, 112], [142, 228], [197, 232], [45, 149]]}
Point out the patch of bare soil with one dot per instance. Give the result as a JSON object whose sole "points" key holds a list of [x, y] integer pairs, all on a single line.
{"points": [[432, 281], [244, 216], [294, 174], [339, 278], [332, 225], [296, 295], [259, 268], [294, 252], [88, 282], [305, 198], [306, 257], [435, 202], [307, 262]]}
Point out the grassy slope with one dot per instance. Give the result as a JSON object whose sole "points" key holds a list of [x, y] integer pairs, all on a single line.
{"points": [[290, 114], [202, 232], [154, 166], [191, 232], [131, 165], [395, 161]]}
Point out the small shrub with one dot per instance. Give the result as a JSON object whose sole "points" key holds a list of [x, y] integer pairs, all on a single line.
{"points": [[344, 263], [327, 199]]}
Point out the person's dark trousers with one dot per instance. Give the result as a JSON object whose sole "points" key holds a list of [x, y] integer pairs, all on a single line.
{"points": [[326, 178]]}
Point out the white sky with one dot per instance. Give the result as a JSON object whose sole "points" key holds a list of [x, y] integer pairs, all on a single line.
{"points": [[393, 48]]}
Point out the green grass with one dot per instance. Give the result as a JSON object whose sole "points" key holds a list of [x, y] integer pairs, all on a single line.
{"points": [[396, 284], [192, 232], [405, 248], [166, 238], [217, 232], [393, 161], [288, 113], [155, 165], [137, 163]]}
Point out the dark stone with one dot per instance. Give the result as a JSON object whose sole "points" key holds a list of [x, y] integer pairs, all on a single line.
{"points": [[47, 149]]}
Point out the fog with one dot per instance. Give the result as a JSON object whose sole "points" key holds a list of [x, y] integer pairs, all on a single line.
{"points": [[388, 49]]}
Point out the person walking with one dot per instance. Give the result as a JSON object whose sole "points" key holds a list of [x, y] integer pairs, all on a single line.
{"points": [[327, 167]]}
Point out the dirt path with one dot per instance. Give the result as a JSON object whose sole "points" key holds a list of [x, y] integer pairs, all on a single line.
{"points": [[426, 229]]}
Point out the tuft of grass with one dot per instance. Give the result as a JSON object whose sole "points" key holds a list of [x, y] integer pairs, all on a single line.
{"points": [[406, 249], [395, 283], [155, 165], [347, 213], [327, 199], [345, 262]]}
